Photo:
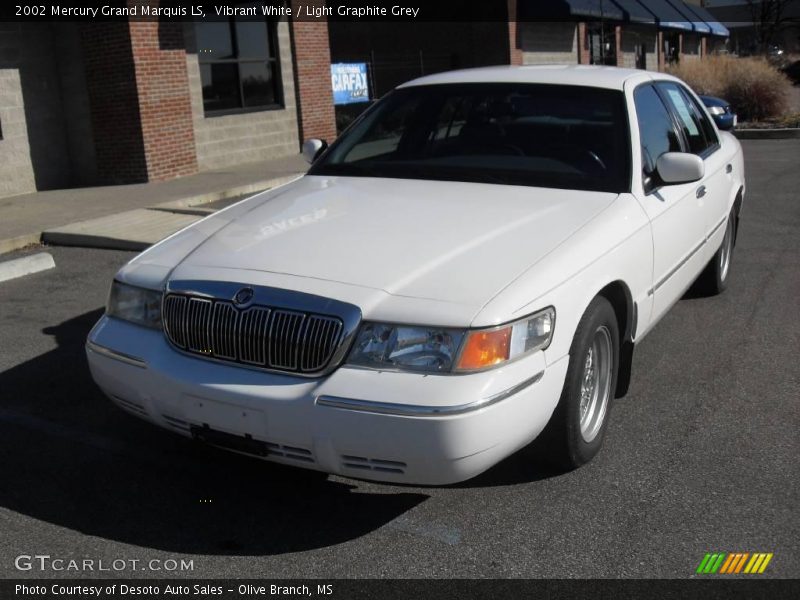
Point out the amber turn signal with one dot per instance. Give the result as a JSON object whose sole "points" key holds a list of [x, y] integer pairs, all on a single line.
{"points": [[485, 348]]}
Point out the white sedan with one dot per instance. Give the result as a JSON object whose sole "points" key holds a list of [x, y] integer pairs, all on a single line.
{"points": [[467, 267]]}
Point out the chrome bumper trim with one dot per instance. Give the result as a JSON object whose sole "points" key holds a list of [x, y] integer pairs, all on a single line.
{"points": [[120, 356], [417, 410]]}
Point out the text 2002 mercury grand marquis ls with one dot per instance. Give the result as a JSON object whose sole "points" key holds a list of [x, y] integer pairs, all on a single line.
{"points": [[467, 267]]}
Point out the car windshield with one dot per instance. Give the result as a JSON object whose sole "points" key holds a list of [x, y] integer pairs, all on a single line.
{"points": [[558, 136]]}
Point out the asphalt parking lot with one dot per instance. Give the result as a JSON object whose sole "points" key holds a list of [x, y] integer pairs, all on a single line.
{"points": [[701, 455]]}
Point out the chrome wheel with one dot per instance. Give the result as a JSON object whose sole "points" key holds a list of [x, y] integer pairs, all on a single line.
{"points": [[596, 384], [725, 251]]}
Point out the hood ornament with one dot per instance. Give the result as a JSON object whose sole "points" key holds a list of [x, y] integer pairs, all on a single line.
{"points": [[243, 297]]}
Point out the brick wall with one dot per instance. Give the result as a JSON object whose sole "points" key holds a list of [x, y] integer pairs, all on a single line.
{"points": [[312, 59], [43, 109], [515, 54], [113, 101], [138, 92], [31, 96], [584, 56], [548, 43], [165, 109], [16, 170], [75, 104]]}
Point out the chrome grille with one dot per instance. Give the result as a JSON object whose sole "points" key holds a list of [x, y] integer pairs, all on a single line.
{"points": [[223, 327], [253, 335], [260, 336], [198, 326], [284, 339]]}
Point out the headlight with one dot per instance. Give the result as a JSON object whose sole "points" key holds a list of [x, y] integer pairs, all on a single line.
{"points": [[716, 110], [439, 350], [135, 304], [425, 349]]}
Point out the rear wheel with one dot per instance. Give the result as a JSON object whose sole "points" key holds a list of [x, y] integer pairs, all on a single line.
{"points": [[575, 432]]}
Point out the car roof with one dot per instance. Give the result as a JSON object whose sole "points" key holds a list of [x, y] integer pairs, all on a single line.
{"points": [[584, 75], [713, 100]]}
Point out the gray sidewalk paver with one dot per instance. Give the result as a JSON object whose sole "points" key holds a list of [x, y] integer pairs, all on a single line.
{"points": [[129, 230], [23, 219]]}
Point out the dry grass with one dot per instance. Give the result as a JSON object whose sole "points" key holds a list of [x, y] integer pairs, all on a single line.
{"points": [[755, 89]]}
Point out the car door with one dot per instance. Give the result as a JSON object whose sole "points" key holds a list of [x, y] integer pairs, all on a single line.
{"points": [[700, 137], [675, 211]]}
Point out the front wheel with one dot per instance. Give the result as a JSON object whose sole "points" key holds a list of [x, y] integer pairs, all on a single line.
{"points": [[575, 432]]}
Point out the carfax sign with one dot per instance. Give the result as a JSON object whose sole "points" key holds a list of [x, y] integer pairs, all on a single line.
{"points": [[349, 82]]}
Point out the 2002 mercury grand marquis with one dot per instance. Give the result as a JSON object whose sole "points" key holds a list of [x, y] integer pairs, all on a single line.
{"points": [[467, 267]]}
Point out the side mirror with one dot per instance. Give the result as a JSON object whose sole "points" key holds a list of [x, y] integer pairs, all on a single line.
{"points": [[313, 148], [724, 122], [679, 167]]}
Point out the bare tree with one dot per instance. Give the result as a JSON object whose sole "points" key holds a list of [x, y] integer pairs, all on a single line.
{"points": [[769, 17]]}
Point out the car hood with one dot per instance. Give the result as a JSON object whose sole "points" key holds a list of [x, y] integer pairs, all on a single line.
{"points": [[449, 241]]}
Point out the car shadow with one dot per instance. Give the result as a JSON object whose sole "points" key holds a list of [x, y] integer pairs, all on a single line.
{"points": [[71, 458], [519, 469], [697, 291]]}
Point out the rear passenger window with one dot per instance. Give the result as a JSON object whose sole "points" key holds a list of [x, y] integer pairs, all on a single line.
{"points": [[696, 126], [656, 130]]}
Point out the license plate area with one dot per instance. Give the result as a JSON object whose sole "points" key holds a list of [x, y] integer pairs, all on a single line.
{"points": [[240, 443]]}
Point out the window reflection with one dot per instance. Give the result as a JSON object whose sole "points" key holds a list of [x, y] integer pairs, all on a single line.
{"points": [[239, 65]]}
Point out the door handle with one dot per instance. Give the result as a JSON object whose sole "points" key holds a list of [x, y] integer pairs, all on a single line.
{"points": [[729, 168], [701, 191]]}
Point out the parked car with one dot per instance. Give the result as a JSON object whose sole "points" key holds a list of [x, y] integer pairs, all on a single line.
{"points": [[468, 266], [721, 111]]}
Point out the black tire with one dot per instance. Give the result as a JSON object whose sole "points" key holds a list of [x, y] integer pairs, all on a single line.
{"points": [[564, 443], [714, 278]]}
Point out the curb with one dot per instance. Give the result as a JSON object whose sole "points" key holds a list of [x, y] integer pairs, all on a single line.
{"points": [[787, 133], [251, 188], [16, 243], [134, 229], [19, 267]]}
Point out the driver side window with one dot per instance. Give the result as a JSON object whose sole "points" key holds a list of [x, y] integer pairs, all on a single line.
{"points": [[696, 127], [656, 131]]}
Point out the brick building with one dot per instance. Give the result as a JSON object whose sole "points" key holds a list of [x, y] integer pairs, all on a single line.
{"points": [[134, 100]]}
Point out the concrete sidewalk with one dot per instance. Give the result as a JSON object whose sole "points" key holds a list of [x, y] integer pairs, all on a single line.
{"points": [[132, 216]]}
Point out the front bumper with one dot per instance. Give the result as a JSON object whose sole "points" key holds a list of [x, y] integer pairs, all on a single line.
{"points": [[381, 425]]}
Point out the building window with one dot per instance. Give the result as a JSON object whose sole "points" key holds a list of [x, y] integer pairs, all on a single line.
{"points": [[602, 40], [641, 56], [239, 65], [672, 45]]}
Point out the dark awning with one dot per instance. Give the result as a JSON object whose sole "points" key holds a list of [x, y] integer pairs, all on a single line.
{"points": [[559, 10], [667, 15], [698, 25], [635, 12], [717, 28]]}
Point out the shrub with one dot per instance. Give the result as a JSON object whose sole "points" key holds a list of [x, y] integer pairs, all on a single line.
{"points": [[755, 89]]}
